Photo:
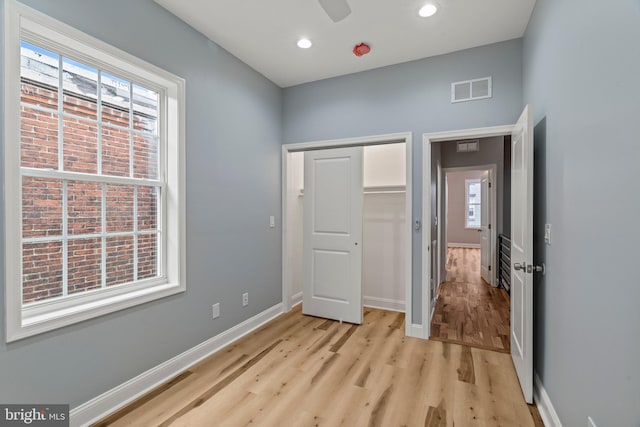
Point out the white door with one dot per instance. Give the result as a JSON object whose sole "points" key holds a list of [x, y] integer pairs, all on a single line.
{"points": [[332, 285], [485, 231], [522, 251]]}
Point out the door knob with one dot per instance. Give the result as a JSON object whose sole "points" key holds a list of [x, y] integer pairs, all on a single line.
{"points": [[529, 268], [536, 269]]}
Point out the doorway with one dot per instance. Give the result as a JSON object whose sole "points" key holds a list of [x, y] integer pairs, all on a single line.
{"points": [[469, 307], [380, 191], [520, 261]]}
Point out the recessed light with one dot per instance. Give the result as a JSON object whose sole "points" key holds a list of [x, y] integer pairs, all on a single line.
{"points": [[304, 43], [427, 10]]}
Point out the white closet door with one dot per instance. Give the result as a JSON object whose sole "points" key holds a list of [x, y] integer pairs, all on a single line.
{"points": [[333, 234]]}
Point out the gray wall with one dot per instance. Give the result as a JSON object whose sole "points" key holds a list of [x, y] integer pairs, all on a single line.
{"points": [[233, 185], [581, 68], [414, 96], [456, 208]]}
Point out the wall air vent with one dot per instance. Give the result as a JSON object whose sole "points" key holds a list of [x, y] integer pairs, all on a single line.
{"points": [[468, 146], [471, 90]]}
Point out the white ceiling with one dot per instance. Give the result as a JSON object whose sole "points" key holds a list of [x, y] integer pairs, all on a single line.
{"points": [[263, 33]]}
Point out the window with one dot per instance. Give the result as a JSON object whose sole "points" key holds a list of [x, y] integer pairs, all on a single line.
{"points": [[473, 203], [93, 176]]}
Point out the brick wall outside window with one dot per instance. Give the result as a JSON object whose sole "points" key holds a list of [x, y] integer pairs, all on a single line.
{"points": [[95, 258]]}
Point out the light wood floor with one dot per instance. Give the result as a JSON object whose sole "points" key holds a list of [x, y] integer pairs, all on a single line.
{"points": [[468, 310], [305, 371]]}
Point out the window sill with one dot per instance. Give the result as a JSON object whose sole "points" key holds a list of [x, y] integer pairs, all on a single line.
{"points": [[36, 321]]}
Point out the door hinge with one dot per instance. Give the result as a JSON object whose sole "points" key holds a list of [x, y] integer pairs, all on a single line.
{"points": [[489, 185], [489, 226], [489, 268]]}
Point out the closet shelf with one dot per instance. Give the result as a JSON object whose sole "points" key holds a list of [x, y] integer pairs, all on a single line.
{"points": [[385, 189]]}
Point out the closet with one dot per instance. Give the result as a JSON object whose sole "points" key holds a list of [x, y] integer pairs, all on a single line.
{"points": [[384, 235]]}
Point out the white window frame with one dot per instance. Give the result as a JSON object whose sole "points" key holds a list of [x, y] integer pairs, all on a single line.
{"points": [[468, 182], [24, 23]]}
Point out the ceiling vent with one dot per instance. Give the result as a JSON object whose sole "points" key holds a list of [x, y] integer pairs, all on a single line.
{"points": [[468, 146], [471, 90]]}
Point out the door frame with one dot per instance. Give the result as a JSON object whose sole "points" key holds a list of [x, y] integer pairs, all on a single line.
{"points": [[427, 140], [287, 199], [492, 168]]}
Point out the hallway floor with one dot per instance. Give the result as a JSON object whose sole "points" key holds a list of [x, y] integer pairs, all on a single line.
{"points": [[468, 310]]}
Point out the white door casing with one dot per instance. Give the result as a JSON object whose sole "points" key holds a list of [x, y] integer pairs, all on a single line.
{"points": [[522, 251], [332, 246], [485, 231]]}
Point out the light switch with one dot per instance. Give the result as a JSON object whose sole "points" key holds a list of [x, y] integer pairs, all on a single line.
{"points": [[547, 234], [272, 221]]}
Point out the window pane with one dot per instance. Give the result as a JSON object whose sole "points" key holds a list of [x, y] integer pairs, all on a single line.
{"points": [[85, 262], [116, 100], [119, 260], [39, 70], [41, 271], [474, 192], [145, 110], [473, 216], [38, 138], [115, 151], [80, 145], [145, 156], [147, 208], [84, 206], [80, 84], [147, 256], [119, 208], [41, 207]]}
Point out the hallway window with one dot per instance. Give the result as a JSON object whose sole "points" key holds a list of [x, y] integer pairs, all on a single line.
{"points": [[93, 174], [473, 203]]}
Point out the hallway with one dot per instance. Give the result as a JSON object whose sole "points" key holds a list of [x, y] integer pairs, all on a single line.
{"points": [[468, 310]]}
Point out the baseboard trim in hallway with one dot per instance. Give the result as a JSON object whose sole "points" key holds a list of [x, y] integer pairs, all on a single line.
{"points": [[118, 397]]}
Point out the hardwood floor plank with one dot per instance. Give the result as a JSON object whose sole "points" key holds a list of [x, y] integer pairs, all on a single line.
{"points": [[466, 372], [343, 339], [436, 417], [220, 385], [326, 324], [377, 414]]}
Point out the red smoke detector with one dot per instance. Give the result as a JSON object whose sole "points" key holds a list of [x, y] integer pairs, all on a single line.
{"points": [[361, 49]]}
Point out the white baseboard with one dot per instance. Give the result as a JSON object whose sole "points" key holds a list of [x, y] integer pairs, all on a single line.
{"points": [[114, 399], [384, 303], [545, 407], [296, 299], [464, 245]]}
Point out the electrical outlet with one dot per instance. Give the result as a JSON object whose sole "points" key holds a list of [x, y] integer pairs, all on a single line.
{"points": [[215, 310], [590, 422], [245, 299], [547, 234]]}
